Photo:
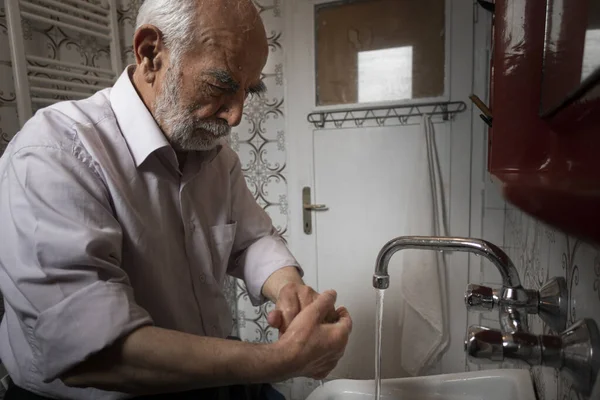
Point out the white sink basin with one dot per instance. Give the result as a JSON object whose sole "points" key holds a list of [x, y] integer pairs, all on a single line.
{"points": [[506, 384]]}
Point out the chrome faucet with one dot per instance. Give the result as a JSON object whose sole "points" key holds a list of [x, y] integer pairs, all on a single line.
{"points": [[511, 300], [576, 350], [510, 276]]}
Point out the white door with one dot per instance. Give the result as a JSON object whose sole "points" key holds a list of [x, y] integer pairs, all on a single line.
{"points": [[363, 175]]}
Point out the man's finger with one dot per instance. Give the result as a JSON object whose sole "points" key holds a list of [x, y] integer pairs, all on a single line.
{"points": [[289, 305], [275, 319], [332, 317], [341, 310], [306, 296], [322, 305], [344, 318]]}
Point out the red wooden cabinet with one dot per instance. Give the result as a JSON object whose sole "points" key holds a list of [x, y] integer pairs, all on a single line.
{"points": [[544, 146]]}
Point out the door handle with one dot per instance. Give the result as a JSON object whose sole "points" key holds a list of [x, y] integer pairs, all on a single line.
{"points": [[308, 208], [316, 207]]}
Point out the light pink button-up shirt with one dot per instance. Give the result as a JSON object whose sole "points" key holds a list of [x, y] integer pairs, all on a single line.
{"points": [[101, 233]]}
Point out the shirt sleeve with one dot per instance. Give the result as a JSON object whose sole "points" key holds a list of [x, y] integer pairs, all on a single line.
{"points": [[60, 257], [258, 249]]}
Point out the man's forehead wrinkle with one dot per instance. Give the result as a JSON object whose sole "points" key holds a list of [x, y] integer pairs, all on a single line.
{"points": [[212, 35], [207, 35], [239, 15]]}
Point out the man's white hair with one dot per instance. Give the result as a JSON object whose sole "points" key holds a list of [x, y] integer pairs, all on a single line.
{"points": [[175, 19]]}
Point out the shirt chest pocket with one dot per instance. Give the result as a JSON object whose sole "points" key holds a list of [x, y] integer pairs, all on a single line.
{"points": [[222, 238]]}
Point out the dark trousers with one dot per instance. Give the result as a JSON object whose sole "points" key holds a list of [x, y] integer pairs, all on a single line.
{"points": [[249, 392]]}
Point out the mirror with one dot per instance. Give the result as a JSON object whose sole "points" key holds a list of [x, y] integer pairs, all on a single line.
{"points": [[571, 53]]}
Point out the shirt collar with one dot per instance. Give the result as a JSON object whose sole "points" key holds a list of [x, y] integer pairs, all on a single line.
{"points": [[140, 130]]}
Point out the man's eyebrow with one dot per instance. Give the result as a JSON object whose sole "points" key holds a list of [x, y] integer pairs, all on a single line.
{"points": [[259, 88], [226, 79], [233, 86]]}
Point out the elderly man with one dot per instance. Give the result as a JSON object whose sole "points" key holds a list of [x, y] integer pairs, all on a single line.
{"points": [[123, 213]]}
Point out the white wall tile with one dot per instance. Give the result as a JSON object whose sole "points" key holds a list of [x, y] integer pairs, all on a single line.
{"points": [[493, 231], [493, 225], [493, 195]]}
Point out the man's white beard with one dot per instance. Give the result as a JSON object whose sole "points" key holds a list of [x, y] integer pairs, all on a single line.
{"points": [[184, 131]]}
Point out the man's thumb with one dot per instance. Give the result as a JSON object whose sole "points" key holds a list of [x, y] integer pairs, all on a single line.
{"points": [[323, 305]]}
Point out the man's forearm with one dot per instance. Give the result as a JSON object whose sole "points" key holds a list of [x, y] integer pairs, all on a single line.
{"points": [[154, 360], [278, 280]]}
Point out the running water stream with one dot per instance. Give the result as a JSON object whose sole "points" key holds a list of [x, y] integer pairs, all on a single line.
{"points": [[378, 329]]}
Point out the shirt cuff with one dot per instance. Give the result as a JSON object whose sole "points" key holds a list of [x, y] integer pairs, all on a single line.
{"points": [[84, 323], [261, 260]]}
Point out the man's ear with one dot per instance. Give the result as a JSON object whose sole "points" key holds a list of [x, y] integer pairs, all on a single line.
{"points": [[149, 51]]}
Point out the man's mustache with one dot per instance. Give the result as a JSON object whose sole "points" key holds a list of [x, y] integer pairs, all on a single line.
{"points": [[217, 128]]}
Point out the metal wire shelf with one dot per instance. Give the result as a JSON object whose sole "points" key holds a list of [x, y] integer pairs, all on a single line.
{"points": [[385, 116]]}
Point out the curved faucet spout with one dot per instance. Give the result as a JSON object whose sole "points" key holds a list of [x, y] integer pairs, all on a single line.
{"points": [[510, 277]]}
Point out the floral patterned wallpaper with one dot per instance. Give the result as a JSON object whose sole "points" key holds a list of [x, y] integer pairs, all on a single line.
{"points": [[259, 140]]}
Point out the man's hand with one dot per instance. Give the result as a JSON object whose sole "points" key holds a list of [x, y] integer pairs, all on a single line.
{"points": [[286, 289], [311, 345], [293, 298]]}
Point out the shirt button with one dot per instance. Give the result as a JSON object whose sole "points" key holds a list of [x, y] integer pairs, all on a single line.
{"points": [[192, 227], [202, 278]]}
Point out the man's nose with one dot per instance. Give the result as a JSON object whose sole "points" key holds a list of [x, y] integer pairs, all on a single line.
{"points": [[232, 111]]}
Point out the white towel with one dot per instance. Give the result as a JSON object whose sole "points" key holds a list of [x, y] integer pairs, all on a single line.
{"points": [[423, 309]]}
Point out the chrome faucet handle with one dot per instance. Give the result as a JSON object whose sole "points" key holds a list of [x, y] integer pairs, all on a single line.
{"points": [[484, 345], [550, 302], [484, 298], [480, 298], [554, 303], [576, 350], [512, 320]]}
